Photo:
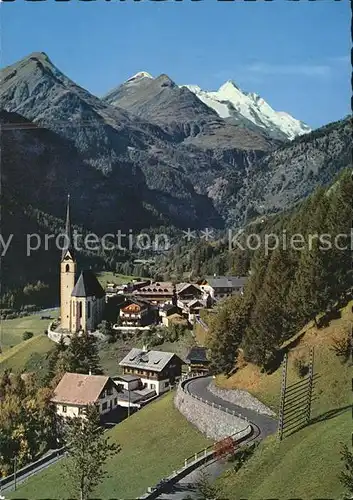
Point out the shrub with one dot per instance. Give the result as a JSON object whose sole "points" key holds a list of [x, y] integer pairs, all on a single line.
{"points": [[12, 316], [301, 367], [342, 347], [27, 335]]}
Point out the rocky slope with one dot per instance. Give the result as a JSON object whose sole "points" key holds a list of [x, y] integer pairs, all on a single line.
{"points": [[167, 159], [128, 168], [183, 115], [289, 174]]}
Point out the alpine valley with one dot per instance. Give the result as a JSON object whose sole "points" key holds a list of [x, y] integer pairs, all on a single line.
{"points": [[153, 153]]}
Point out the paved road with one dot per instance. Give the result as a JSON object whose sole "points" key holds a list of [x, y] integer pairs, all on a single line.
{"points": [[199, 386], [263, 424]]}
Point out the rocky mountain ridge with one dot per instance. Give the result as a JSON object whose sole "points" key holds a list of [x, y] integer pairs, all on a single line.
{"points": [[161, 157]]}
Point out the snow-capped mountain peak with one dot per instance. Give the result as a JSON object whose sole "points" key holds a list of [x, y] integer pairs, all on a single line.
{"points": [[139, 75], [250, 110]]}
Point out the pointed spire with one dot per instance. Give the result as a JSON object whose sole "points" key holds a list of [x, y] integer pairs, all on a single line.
{"points": [[68, 242]]}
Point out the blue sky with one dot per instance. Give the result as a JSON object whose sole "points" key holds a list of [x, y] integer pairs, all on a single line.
{"points": [[294, 54]]}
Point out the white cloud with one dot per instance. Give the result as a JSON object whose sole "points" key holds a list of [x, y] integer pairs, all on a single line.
{"points": [[341, 59], [314, 70]]}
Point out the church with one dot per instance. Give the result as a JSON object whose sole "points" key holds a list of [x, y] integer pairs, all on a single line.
{"points": [[81, 302]]}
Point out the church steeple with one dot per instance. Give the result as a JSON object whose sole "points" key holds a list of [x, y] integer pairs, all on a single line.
{"points": [[67, 273], [68, 240]]}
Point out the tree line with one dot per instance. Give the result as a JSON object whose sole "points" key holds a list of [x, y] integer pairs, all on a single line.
{"points": [[288, 287]]}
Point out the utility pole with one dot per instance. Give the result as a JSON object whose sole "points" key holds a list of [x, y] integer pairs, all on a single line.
{"points": [[15, 472]]}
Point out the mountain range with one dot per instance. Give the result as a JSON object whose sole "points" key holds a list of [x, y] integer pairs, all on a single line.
{"points": [[152, 152]]}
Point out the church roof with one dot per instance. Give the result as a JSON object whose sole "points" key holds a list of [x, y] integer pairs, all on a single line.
{"points": [[87, 285]]}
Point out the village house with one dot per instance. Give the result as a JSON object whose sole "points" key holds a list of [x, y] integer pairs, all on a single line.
{"points": [[76, 391], [188, 291], [157, 370], [197, 360], [131, 391], [223, 286], [166, 310], [175, 319], [135, 313], [157, 293], [193, 309]]}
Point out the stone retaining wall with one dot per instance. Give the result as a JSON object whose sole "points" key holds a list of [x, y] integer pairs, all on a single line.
{"points": [[215, 423], [240, 398]]}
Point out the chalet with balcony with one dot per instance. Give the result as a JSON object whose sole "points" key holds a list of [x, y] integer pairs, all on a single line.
{"points": [[157, 370], [135, 313]]}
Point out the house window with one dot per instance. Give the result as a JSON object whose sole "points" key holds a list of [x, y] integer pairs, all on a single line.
{"points": [[102, 396], [153, 386], [64, 409], [104, 406], [115, 401], [81, 410], [166, 384], [109, 391]]}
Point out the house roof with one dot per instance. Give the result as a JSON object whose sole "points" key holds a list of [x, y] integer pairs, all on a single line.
{"points": [[180, 287], [134, 307], [151, 360], [87, 285], [157, 288], [79, 389], [195, 302], [197, 355], [127, 378], [136, 395], [226, 281], [177, 317]]}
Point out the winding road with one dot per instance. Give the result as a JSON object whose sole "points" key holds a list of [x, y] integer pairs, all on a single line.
{"points": [[264, 425]]}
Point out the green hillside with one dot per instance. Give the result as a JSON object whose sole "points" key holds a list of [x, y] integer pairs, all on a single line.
{"points": [[28, 355], [11, 330], [154, 442], [305, 464]]}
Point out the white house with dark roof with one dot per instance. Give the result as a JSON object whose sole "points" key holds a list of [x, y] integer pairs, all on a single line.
{"points": [[223, 286], [157, 370], [76, 391]]}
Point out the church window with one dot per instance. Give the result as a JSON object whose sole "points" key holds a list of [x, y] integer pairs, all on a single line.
{"points": [[80, 309], [88, 309], [67, 268]]}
